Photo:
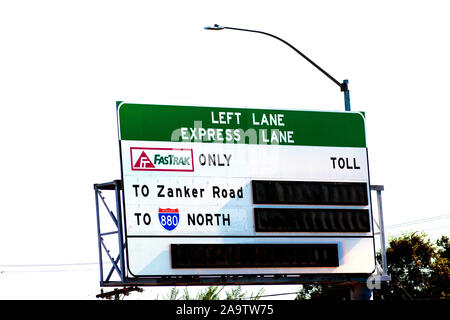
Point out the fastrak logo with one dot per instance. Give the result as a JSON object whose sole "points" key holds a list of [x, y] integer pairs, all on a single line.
{"points": [[161, 159]]}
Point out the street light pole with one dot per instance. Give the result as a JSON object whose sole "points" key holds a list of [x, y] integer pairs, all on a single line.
{"points": [[343, 86]]}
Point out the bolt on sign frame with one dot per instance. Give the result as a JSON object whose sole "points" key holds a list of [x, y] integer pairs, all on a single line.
{"points": [[240, 196]]}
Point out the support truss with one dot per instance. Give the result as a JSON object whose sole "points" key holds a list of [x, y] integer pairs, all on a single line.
{"points": [[118, 263]]}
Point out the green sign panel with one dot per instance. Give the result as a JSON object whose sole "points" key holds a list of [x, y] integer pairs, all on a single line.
{"points": [[144, 122]]}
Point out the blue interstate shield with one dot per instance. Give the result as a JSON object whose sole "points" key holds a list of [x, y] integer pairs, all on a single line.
{"points": [[169, 218]]}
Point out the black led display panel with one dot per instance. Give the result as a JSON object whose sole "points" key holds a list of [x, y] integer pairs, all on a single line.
{"points": [[311, 220], [309, 192], [253, 255]]}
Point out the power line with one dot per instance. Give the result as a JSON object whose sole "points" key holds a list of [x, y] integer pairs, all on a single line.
{"points": [[18, 268], [441, 227], [46, 271], [47, 265], [426, 229], [403, 224]]}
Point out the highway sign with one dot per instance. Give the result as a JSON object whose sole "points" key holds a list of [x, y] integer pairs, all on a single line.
{"points": [[236, 191]]}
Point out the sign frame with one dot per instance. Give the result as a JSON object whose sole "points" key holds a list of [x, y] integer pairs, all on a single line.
{"points": [[238, 275]]}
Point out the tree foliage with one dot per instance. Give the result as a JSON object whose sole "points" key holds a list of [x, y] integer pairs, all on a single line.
{"points": [[323, 292], [419, 268], [213, 293]]}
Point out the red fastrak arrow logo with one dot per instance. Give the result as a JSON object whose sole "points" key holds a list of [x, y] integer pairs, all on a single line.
{"points": [[143, 162], [161, 159]]}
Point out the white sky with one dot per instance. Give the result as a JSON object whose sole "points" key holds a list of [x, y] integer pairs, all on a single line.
{"points": [[64, 64]]}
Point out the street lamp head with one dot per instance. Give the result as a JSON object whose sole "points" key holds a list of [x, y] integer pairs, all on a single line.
{"points": [[344, 86], [215, 27]]}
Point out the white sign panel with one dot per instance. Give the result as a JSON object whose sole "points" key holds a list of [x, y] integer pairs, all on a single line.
{"points": [[208, 208]]}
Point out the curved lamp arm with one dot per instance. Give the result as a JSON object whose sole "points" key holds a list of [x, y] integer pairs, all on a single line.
{"points": [[343, 86]]}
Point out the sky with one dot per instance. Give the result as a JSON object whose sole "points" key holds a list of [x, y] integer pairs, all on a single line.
{"points": [[64, 64]]}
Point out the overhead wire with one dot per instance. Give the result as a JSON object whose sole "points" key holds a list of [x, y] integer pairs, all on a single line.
{"points": [[425, 220], [19, 268], [47, 265], [47, 271]]}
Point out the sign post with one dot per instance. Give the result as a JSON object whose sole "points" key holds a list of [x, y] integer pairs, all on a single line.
{"points": [[235, 191]]}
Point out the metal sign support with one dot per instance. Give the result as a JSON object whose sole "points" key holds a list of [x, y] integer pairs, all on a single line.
{"points": [[118, 264], [384, 275]]}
